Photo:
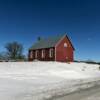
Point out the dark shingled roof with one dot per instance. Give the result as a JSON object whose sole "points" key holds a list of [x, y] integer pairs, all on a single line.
{"points": [[47, 43]]}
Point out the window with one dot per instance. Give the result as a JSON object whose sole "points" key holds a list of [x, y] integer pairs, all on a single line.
{"points": [[65, 45], [51, 53], [31, 54], [36, 53], [43, 53]]}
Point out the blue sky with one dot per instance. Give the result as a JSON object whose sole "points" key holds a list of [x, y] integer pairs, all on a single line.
{"points": [[25, 20]]}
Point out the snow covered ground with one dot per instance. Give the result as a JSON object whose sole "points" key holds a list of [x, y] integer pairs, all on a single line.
{"points": [[44, 80]]}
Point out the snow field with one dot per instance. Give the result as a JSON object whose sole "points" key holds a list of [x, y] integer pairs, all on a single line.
{"points": [[44, 80]]}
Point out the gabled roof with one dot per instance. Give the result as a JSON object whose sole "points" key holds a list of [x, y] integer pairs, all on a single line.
{"points": [[49, 42]]}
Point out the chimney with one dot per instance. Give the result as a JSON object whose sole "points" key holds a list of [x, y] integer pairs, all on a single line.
{"points": [[38, 38]]}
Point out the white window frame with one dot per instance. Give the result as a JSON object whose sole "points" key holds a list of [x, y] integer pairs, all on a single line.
{"points": [[51, 53], [36, 53], [43, 53], [31, 54], [65, 45]]}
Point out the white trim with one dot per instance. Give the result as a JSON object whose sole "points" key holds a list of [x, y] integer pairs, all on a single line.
{"points": [[55, 53], [60, 40], [36, 54], [43, 53]]}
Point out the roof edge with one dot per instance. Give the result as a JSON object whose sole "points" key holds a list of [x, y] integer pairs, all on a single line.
{"points": [[70, 41], [67, 38], [60, 40]]}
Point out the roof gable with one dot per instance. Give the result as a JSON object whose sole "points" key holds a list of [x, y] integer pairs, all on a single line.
{"points": [[49, 42], [67, 39]]}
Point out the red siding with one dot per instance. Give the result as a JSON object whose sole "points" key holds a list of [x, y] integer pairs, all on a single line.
{"points": [[39, 57], [64, 54]]}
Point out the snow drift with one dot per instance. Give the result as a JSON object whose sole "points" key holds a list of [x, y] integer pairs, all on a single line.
{"points": [[44, 80]]}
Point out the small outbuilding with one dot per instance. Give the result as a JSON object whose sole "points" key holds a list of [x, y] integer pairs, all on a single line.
{"points": [[58, 48]]}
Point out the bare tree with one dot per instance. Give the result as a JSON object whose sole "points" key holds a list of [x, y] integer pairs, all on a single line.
{"points": [[14, 50]]}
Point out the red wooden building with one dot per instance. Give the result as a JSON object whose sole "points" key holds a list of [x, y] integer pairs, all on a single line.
{"points": [[57, 48]]}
